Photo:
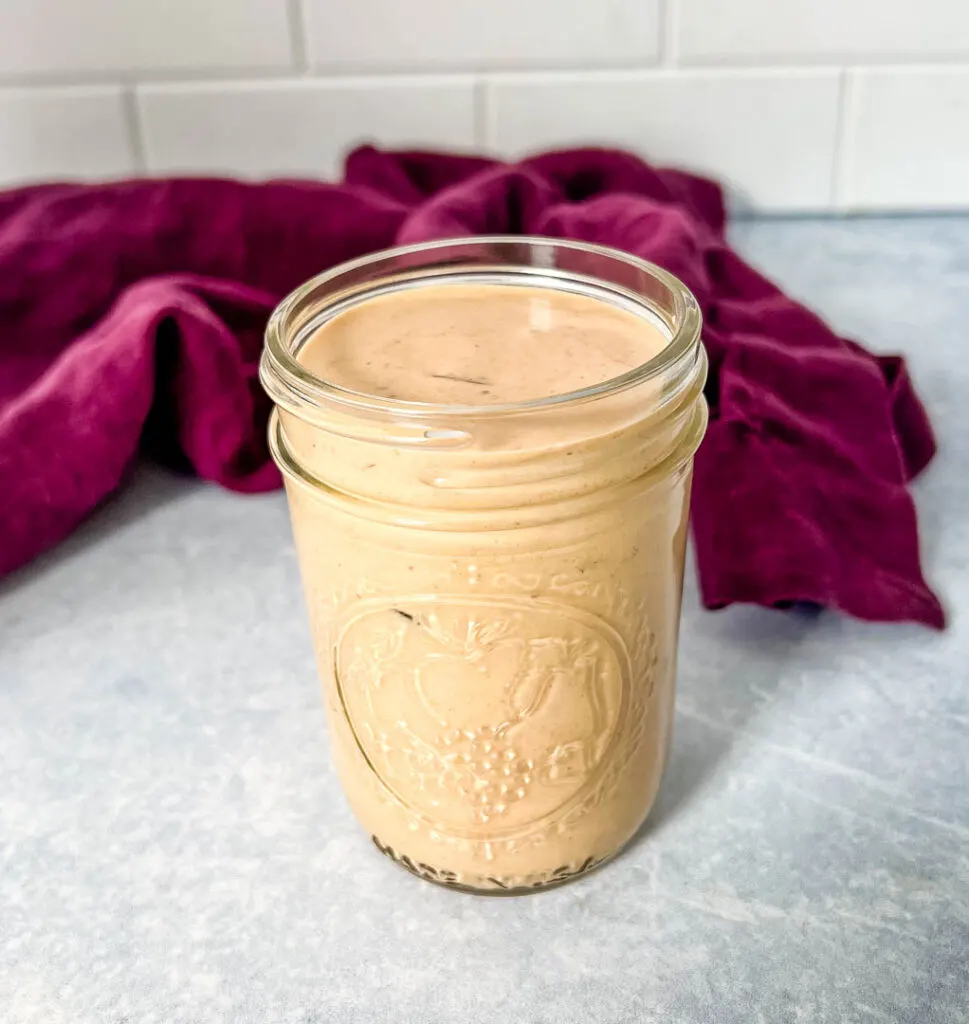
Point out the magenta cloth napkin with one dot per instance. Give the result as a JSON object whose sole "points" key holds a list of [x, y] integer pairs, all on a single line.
{"points": [[131, 318]]}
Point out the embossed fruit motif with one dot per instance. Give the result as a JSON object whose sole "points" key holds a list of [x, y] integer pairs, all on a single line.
{"points": [[482, 716]]}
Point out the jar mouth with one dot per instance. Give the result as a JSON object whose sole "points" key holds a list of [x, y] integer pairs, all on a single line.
{"points": [[476, 259]]}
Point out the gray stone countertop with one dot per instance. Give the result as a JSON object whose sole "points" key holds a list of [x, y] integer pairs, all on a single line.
{"points": [[175, 848]]}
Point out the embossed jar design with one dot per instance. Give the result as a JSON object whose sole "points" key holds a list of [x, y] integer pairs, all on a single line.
{"points": [[494, 590]]}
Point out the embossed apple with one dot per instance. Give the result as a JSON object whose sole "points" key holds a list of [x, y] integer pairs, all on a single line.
{"points": [[466, 669]]}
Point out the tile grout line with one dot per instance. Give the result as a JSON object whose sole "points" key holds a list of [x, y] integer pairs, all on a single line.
{"points": [[248, 74], [786, 61], [481, 114], [296, 17], [841, 169], [135, 128], [668, 30]]}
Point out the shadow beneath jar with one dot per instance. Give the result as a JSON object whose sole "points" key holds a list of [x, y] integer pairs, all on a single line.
{"points": [[732, 668]]}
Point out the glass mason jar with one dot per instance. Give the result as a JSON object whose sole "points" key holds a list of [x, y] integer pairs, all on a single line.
{"points": [[494, 591]]}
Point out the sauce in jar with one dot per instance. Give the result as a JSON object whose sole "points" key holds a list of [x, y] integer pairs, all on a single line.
{"points": [[489, 485]]}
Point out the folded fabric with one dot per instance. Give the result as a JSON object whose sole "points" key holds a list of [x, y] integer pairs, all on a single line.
{"points": [[131, 319]]}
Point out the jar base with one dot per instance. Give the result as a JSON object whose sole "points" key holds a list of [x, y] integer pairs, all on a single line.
{"points": [[495, 886]]}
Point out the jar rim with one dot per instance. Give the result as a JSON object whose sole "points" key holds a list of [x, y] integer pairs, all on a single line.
{"points": [[285, 378]]}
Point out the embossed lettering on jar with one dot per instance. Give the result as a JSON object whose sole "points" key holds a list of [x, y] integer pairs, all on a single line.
{"points": [[488, 448]]}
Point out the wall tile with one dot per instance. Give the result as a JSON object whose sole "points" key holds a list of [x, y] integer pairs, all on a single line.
{"points": [[769, 135], [780, 31], [61, 134], [908, 139], [555, 72], [429, 35], [299, 127], [44, 37]]}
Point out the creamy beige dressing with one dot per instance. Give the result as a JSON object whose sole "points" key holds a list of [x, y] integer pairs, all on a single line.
{"points": [[495, 621], [462, 344]]}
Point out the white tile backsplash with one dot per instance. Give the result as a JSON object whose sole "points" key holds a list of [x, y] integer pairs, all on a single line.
{"points": [[299, 127], [424, 35], [60, 37], [63, 134], [784, 31], [907, 133], [771, 136], [789, 101]]}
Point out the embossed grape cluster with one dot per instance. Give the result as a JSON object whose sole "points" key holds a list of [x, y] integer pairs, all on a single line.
{"points": [[486, 770]]}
